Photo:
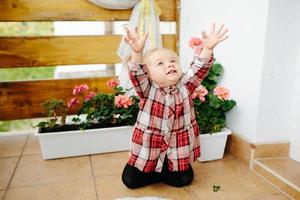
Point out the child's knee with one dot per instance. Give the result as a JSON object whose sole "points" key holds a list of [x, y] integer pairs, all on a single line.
{"points": [[129, 177], [180, 179], [186, 179]]}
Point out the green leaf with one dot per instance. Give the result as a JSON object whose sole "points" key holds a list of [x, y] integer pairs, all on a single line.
{"points": [[214, 101], [217, 69], [42, 124], [216, 188], [228, 105]]}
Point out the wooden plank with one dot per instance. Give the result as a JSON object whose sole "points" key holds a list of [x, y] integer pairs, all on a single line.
{"points": [[177, 17], [64, 50], [22, 99], [71, 10]]}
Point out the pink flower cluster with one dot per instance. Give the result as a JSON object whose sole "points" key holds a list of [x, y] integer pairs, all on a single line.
{"points": [[112, 83], [89, 96], [73, 102], [222, 92], [123, 101], [200, 92], [80, 90], [196, 44]]}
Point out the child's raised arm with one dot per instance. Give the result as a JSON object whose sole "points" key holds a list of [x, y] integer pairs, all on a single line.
{"points": [[137, 71], [137, 43], [203, 62]]}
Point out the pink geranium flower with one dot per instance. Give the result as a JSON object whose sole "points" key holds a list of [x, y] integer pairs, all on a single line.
{"points": [[73, 102], [200, 92], [123, 101], [89, 96], [112, 83], [195, 42], [80, 89], [222, 92]]}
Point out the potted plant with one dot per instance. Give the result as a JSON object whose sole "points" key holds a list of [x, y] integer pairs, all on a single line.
{"points": [[103, 123], [211, 102]]}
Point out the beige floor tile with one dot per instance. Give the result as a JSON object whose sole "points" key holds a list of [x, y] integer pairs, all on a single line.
{"points": [[32, 147], [33, 170], [1, 194], [82, 189], [285, 167], [275, 197], [111, 187], [11, 146], [7, 166], [227, 156], [109, 164], [236, 180]]}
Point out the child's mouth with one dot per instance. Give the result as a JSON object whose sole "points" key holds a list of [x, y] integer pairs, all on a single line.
{"points": [[172, 72]]}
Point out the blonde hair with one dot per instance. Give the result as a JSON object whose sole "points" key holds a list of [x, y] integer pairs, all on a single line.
{"points": [[151, 51]]}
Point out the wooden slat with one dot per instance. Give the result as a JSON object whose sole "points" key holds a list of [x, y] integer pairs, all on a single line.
{"points": [[63, 50], [70, 10], [22, 99]]}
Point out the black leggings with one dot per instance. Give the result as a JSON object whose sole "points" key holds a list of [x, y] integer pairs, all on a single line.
{"points": [[134, 178]]}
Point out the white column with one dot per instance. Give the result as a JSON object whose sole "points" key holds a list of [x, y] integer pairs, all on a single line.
{"points": [[274, 116]]}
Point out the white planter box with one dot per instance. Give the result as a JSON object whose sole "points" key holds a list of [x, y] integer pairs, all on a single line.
{"points": [[212, 146], [90, 141]]}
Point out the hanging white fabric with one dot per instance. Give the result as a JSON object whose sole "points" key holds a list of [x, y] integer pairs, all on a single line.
{"points": [[145, 16]]}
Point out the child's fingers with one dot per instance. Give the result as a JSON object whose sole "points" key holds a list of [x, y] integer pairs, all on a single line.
{"points": [[145, 36], [136, 31], [224, 32], [212, 28], [128, 34], [220, 29], [203, 34], [222, 39], [126, 39]]}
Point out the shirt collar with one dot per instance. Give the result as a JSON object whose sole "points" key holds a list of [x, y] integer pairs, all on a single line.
{"points": [[169, 89]]}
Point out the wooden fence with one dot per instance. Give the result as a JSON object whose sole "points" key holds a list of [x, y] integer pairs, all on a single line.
{"points": [[22, 99]]}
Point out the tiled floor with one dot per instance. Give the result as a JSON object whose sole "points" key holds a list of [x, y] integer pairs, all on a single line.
{"points": [[24, 175], [285, 167]]}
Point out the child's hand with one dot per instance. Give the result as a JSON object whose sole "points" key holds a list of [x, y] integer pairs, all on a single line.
{"points": [[213, 38], [135, 40]]}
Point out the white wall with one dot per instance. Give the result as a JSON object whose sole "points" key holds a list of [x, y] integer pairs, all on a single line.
{"points": [[241, 54], [274, 116]]}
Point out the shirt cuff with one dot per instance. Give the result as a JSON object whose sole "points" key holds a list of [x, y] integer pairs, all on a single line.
{"points": [[135, 66], [200, 62]]}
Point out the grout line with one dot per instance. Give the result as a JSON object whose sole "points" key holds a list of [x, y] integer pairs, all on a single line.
{"points": [[275, 186], [189, 193], [17, 164], [281, 178], [5, 157], [93, 176]]}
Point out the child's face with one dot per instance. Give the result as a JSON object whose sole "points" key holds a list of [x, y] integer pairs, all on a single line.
{"points": [[163, 66]]}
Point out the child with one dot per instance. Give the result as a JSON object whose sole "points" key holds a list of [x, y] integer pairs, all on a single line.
{"points": [[165, 139]]}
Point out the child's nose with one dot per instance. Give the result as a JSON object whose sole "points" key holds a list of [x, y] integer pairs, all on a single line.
{"points": [[170, 65]]}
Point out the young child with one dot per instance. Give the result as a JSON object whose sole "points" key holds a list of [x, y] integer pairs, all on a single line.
{"points": [[165, 139]]}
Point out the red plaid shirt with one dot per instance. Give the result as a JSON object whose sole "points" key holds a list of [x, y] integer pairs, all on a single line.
{"points": [[166, 124]]}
